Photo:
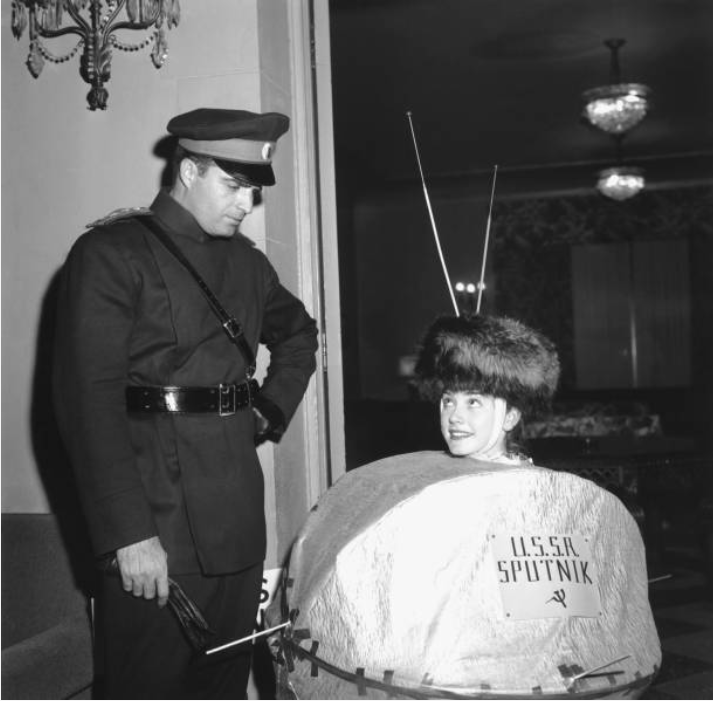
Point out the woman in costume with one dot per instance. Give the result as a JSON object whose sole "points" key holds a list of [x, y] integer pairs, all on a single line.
{"points": [[488, 374], [468, 573]]}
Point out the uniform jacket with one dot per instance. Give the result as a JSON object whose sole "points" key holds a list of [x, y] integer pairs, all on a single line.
{"points": [[130, 314]]}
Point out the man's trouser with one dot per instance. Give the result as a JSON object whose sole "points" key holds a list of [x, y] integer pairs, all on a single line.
{"points": [[143, 653]]}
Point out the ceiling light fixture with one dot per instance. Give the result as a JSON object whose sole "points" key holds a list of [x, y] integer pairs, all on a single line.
{"points": [[617, 107], [621, 182]]}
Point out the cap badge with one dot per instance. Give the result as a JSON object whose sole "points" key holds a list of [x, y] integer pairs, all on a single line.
{"points": [[266, 151]]}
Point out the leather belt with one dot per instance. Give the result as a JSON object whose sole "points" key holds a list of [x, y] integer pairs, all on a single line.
{"points": [[223, 400]]}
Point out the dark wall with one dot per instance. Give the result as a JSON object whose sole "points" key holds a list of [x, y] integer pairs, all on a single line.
{"points": [[396, 284]]}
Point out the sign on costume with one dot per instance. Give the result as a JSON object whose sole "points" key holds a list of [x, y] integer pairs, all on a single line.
{"points": [[545, 575]]}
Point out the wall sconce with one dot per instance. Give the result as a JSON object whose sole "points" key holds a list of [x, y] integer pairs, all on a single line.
{"points": [[95, 23]]}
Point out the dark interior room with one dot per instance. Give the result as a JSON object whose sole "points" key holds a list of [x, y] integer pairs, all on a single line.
{"points": [[487, 99]]}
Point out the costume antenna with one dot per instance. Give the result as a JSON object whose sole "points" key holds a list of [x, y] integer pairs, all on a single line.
{"points": [[430, 214], [481, 282]]}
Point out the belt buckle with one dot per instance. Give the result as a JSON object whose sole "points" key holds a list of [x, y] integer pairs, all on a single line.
{"points": [[226, 391]]}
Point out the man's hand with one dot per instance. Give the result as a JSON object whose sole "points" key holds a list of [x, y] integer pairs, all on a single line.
{"points": [[144, 569]]}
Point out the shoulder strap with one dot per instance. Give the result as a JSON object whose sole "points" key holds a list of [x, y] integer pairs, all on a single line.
{"points": [[121, 214], [230, 324]]}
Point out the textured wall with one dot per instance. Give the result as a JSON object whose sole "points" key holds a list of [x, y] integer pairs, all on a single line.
{"points": [[400, 285]]}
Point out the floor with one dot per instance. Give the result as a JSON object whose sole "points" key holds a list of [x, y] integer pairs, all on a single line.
{"points": [[683, 610]]}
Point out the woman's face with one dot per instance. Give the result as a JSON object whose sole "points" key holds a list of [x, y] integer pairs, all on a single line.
{"points": [[476, 425]]}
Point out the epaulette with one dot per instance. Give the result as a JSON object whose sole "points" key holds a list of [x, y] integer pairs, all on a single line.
{"points": [[119, 214]]}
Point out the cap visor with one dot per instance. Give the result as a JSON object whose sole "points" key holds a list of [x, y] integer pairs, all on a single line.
{"points": [[255, 173]]}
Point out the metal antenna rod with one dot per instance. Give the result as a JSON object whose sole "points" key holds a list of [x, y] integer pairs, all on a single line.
{"points": [[246, 638], [589, 672], [430, 214], [481, 282]]}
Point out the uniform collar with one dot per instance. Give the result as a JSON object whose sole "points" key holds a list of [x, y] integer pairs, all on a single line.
{"points": [[177, 218]]}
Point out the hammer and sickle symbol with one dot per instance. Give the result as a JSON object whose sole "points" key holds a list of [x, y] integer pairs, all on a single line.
{"points": [[558, 597]]}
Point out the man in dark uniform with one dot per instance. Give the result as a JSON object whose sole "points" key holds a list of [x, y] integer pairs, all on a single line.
{"points": [[159, 413]]}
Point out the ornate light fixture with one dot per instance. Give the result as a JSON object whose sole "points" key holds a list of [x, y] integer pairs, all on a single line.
{"points": [[95, 23], [620, 182], [617, 107]]}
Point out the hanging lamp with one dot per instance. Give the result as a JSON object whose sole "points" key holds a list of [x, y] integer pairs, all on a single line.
{"points": [[618, 107], [620, 182]]}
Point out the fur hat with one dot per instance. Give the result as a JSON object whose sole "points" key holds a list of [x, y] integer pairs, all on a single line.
{"points": [[493, 355]]}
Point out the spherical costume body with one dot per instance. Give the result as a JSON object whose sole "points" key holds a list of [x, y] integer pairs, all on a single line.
{"points": [[396, 589]]}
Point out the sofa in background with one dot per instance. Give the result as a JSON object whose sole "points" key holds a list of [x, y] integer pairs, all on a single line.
{"points": [[46, 622]]}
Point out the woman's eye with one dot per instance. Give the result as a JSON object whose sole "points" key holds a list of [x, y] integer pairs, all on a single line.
{"points": [[474, 401]]}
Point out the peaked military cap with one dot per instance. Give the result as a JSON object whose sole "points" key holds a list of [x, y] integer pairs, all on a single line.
{"points": [[241, 143], [493, 355]]}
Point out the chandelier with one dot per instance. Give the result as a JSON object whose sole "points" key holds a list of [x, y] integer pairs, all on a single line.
{"points": [[95, 23], [617, 107], [620, 182]]}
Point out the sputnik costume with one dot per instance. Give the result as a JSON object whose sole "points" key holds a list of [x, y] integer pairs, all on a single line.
{"points": [[429, 576]]}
